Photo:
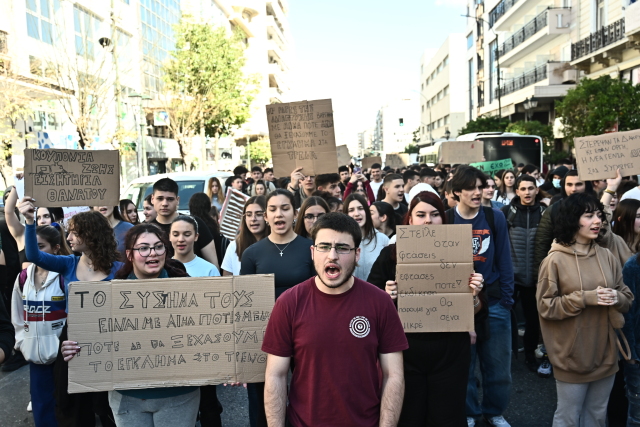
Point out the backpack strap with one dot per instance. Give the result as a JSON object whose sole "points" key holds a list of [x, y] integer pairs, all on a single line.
{"points": [[512, 214], [488, 213], [22, 279], [450, 216]]}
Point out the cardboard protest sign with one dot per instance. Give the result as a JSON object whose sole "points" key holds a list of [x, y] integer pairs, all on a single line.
{"points": [[494, 166], [61, 178], [599, 156], [344, 158], [231, 213], [397, 160], [368, 161], [434, 266], [70, 212], [137, 334], [461, 152], [302, 135]]}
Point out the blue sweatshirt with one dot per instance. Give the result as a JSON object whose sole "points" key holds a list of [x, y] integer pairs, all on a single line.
{"points": [[63, 264], [492, 254]]}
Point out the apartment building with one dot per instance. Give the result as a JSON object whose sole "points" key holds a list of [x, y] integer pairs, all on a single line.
{"points": [[444, 90], [606, 38], [364, 143], [395, 124], [525, 54]]}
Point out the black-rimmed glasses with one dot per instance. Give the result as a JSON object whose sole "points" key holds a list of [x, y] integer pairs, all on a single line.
{"points": [[145, 251], [340, 248]]}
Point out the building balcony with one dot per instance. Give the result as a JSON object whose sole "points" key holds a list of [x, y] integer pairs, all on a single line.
{"points": [[555, 78], [536, 33], [274, 9], [275, 28], [275, 51], [275, 95], [277, 77], [509, 12], [604, 45]]}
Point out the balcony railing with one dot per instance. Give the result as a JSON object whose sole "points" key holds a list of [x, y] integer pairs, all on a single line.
{"points": [[601, 38], [527, 78], [524, 33], [499, 11]]}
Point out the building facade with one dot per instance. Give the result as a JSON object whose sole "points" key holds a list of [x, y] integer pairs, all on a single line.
{"points": [[395, 124], [444, 90]]}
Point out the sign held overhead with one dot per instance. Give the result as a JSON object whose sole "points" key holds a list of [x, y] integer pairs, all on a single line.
{"points": [[461, 152], [302, 135], [191, 331], [65, 178], [367, 162], [600, 156]]}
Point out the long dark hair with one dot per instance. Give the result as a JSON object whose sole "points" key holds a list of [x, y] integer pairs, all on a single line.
{"points": [[502, 189], [245, 237], [200, 206], [369, 233], [171, 266], [300, 228], [124, 203], [94, 230], [385, 209], [54, 236], [624, 218]]}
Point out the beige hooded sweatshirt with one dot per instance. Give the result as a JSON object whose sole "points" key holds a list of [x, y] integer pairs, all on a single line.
{"points": [[580, 341]]}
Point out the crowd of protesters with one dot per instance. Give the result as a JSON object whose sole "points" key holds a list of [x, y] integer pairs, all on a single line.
{"points": [[556, 261]]}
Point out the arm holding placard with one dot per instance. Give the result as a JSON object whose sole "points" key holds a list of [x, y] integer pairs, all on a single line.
{"points": [[610, 191], [13, 222]]}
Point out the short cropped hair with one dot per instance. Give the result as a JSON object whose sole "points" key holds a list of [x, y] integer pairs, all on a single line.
{"points": [[342, 169], [256, 169], [267, 170], [526, 178], [390, 177], [166, 184], [465, 178], [339, 222], [409, 174], [428, 172], [239, 170], [327, 178], [376, 166]]}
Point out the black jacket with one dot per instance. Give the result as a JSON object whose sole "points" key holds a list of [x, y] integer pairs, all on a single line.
{"points": [[545, 235], [7, 333], [523, 222]]}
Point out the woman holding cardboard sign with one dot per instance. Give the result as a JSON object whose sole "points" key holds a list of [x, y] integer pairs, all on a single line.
{"points": [[91, 235], [147, 258], [436, 365]]}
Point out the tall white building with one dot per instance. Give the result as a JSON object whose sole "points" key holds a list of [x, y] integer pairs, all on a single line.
{"points": [[365, 142], [444, 89], [395, 124]]}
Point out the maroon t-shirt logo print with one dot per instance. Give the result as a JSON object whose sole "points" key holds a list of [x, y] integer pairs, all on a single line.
{"points": [[359, 326]]}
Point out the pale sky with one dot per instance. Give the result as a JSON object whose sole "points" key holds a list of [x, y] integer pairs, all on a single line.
{"points": [[364, 53]]}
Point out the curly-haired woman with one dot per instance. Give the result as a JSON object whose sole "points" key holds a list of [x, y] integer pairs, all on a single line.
{"points": [[580, 291], [147, 257], [91, 235]]}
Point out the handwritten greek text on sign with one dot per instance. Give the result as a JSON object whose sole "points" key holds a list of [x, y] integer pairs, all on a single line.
{"points": [[491, 167], [598, 157], [168, 332], [435, 263], [302, 135], [63, 178]]}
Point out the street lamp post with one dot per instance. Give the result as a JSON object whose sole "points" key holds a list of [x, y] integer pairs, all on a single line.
{"points": [[529, 104], [140, 102], [447, 134]]}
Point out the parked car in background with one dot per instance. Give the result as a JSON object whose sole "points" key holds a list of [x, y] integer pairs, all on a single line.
{"points": [[189, 183]]}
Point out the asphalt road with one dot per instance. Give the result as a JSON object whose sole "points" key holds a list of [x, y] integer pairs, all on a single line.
{"points": [[532, 404]]}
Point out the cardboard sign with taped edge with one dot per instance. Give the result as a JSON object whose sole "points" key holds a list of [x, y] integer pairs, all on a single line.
{"points": [[461, 152], [600, 156], [64, 178], [302, 135], [189, 331]]}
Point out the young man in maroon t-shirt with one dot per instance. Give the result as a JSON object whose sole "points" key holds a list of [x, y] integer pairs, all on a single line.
{"points": [[336, 328]]}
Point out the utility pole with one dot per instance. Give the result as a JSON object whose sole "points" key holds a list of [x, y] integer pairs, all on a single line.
{"points": [[114, 55]]}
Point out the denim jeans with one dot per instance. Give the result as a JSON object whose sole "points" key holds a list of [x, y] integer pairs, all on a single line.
{"points": [[494, 356], [632, 382], [177, 411]]}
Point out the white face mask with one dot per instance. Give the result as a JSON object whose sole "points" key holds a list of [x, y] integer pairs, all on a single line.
{"points": [[556, 183]]}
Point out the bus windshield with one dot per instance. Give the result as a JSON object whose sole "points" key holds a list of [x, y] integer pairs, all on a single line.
{"points": [[520, 149]]}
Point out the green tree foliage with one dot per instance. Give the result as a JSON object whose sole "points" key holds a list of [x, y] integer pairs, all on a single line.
{"points": [[485, 124], [411, 149], [260, 151], [596, 105], [205, 86], [416, 136]]}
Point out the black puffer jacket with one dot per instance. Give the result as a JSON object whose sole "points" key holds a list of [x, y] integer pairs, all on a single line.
{"points": [[523, 222], [545, 234]]}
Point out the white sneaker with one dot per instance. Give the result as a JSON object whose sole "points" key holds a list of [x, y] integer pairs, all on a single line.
{"points": [[471, 422], [541, 351], [497, 421], [29, 409]]}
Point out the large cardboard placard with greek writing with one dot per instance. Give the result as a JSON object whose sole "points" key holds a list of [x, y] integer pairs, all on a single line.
{"points": [[137, 334], [434, 266], [397, 160], [461, 152], [63, 178], [302, 135], [599, 156]]}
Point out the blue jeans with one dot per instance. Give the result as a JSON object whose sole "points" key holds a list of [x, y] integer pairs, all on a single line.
{"points": [[494, 355], [632, 384], [42, 386]]}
